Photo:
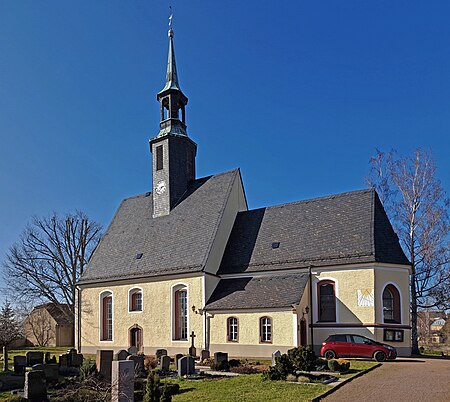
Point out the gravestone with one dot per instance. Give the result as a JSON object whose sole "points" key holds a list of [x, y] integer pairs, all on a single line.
{"points": [[20, 364], [51, 371], [204, 355], [122, 355], [103, 362], [132, 350], [64, 360], [177, 358], [138, 361], [76, 360], [186, 366], [164, 363], [220, 357], [38, 367], [35, 389], [122, 381], [5, 359], [275, 356], [34, 358], [192, 349], [160, 352], [47, 357]]}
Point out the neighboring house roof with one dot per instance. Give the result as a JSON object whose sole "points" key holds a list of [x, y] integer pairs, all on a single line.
{"points": [[438, 323], [339, 229], [177, 243], [59, 313], [258, 292]]}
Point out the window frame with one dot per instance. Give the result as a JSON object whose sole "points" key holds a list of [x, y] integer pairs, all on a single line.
{"points": [[106, 327], [396, 304], [131, 300], [229, 332], [319, 302], [261, 330], [176, 331]]}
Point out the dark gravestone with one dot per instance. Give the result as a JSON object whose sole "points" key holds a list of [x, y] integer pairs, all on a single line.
{"points": [[177, 358], [205, 355], [192, 349], [220, 357], [160, 352], [122, 355], [38, 367], [164, 363], [138, 360], [122, 381], [186, 366], [47, 357], [34, 358], [275, 355], [64, 360], [132, 350], [104, 362], [20, 363], [50, 370], [35, 389], [76, 360]]}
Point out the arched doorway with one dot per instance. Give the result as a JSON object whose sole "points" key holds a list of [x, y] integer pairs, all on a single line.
{"points": [[135, 337]]}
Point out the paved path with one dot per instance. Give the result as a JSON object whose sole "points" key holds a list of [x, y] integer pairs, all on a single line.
{"points": [[405, 379]]}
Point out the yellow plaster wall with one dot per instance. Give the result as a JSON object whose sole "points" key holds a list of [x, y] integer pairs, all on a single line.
{"points": [[155, 319], [348, 283], [282, 327]]}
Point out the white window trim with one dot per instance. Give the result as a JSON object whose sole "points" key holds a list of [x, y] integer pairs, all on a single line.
{"points": [[316, 280], [173, 289], [130, 293], [101, 296], [381, 306]]}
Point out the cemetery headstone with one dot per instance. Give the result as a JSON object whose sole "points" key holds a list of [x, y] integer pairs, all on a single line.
{"points": [[160, 352], [122, 381], [34, 358], [76, 360], [64, 360], [104, 362], [122, 355], [35, 389], [132, 350], [186, 366], [47, 357], [38, 367], [20, 364], [51, 371], [138, 361], [204, 355], [164, 363], [275, 355], [177, 358], [220, 357], [192, 349]]}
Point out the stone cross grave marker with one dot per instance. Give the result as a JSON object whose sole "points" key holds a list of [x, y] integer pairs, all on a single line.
{"points": [[104, 362], [186, 366], [275, 356], [122, 381], [35, 389], [192, 349]]}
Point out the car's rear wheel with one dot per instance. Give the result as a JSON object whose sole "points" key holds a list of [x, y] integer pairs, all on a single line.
{"points": [[379, 356], [329, 354]]}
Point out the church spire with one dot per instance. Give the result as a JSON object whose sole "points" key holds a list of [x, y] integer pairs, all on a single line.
{"points": [[171, 75]]}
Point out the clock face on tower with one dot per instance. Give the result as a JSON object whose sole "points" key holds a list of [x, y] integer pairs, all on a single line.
{"points": [[160, 187]]}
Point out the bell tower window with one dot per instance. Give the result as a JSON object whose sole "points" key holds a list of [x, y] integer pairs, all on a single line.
{"points": [[159, 157]]}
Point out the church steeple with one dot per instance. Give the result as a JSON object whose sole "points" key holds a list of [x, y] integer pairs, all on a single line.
{"points": [[173, 165]]}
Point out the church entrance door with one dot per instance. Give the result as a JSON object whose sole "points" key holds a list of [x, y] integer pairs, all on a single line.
{"points": [[136, 338], [303, 341]]}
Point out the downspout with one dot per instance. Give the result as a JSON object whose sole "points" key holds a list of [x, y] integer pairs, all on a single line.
{"points": [[78, 319], [311, 317]]}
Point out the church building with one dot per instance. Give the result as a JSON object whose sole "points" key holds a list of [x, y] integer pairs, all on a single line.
{"points": [[190, 259]]}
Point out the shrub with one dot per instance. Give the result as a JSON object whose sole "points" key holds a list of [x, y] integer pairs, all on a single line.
{"points": [[152, 389], [322, 364], [208, 361], [303, 379], [282, 368], [87, 369], [302, 358], [338, 365], [234, 362], [14, 398], [244, 369], [150, 362]]}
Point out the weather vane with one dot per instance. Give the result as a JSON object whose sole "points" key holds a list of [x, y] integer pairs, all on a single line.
{"points": [[171, 17]]}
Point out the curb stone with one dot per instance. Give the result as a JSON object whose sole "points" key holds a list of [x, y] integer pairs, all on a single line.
{"points": [[330, 391]]}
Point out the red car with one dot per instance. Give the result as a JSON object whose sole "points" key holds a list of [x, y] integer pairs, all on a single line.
{"points": [[347, 345]]}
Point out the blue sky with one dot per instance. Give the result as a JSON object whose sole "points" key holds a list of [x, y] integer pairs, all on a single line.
{"points": [[298, 94]]}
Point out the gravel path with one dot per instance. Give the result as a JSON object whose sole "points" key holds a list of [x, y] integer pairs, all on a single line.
{"points": [[405, 379]]}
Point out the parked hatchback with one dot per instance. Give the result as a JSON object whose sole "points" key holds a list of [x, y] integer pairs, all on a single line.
{"points": [[348, 345]]}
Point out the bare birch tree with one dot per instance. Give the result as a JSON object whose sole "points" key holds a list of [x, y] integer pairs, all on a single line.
{"points": [[49, 259], [419, 210]]}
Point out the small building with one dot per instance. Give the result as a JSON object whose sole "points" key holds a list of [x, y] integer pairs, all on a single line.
{"points": [[49, 325]]}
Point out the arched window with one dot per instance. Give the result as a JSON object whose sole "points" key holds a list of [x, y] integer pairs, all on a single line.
{"points": [[326, 301], [180, 314], [391, 305], [106, 313], [265, 330], [135, 299], [232, 329]]}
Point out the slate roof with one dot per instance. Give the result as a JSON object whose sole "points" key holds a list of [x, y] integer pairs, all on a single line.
{"points": [[339, 229], [258, 292], [177, 243]]}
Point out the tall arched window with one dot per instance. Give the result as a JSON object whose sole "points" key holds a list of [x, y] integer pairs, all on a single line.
{"points": [[326, 301], [391, 305], [135, 299], [180, 314], [265, 330], [106, 312], [232, 329]]}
